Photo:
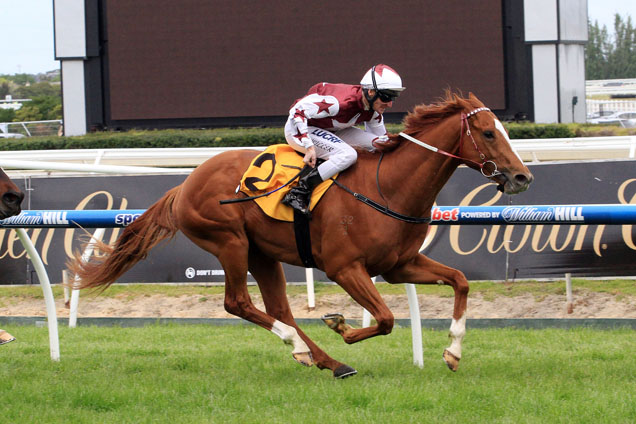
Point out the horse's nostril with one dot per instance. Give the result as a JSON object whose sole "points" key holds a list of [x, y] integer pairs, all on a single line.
{"points": [[12, 198], [522, 179]]}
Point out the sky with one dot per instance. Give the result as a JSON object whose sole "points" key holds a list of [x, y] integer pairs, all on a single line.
{"points": [[26, 31]]}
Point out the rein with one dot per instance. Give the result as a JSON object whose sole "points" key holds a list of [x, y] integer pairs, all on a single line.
{"points": [[464, 122], [384, 209]]}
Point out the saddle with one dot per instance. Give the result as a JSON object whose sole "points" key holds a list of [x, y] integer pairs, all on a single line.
{"points": [[270, 172], [268, 178]]}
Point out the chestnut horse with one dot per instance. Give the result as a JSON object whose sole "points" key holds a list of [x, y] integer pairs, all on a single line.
{"points": [[351, 241], [10, 201]]}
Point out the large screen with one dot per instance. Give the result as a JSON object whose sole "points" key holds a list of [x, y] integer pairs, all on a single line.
{"points": [[227, 58]]}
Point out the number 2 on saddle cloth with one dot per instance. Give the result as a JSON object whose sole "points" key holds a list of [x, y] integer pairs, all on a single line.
{"points": [[270, 172]]}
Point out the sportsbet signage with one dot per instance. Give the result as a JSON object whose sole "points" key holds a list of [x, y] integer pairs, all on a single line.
{"points": [[509, 249]]}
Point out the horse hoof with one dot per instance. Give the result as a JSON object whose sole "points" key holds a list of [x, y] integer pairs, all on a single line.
{"points": [[451, 360], [303, 358], [5, 337], [344, 371], [333, 320]]}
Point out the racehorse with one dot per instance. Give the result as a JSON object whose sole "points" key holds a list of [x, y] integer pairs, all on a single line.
{"points": [[351, 241], [10, 201]]}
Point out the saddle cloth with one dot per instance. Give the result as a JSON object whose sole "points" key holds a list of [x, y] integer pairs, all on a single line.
{"points": [[270, 170]]}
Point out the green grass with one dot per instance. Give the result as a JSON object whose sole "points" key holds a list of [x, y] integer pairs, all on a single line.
{"points": [[487, 289], [208, 374]]}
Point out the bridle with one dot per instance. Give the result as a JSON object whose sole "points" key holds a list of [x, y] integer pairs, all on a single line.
{"points": [[464, 123]]}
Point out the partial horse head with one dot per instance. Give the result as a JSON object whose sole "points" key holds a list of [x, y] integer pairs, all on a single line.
{"points": [[483, 143], [10, 197]]}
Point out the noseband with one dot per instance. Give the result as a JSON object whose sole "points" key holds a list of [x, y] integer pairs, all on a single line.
{"points": [[464, 122]]}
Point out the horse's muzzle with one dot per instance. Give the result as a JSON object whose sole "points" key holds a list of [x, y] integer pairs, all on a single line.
{"points": [[10, 204], [513, 183]]}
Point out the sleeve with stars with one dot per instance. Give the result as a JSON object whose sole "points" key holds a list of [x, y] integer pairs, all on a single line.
{"points": [[313, 106]]}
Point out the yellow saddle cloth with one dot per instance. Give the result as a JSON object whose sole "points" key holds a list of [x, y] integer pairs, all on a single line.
{"points": [[270, 170]]}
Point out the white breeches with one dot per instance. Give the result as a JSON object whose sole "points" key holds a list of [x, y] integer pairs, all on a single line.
{"points": [[336, 148]]}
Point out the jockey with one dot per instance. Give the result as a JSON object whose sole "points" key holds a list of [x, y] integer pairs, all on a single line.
{"points": [[322, 125]]}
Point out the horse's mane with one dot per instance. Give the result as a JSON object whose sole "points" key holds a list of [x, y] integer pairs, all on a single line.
{"points": [[424, 116]]}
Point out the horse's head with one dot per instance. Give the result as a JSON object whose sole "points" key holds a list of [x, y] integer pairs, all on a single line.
{"points": [[485, 146], [10, 197]]}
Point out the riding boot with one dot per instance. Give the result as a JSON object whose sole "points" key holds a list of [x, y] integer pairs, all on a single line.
{"points": [[300, 195]]}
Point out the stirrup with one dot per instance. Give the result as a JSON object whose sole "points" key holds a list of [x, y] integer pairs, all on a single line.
{"points": [[295, 201]]}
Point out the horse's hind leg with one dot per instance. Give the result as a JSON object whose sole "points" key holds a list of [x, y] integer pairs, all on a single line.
{"points": [[232, 252], [5, 337], [423, 270], [271, 280]]}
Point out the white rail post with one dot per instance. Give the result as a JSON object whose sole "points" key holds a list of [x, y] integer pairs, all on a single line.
{"points": [[88, 252], [65, 285], [416, 325], [54, 339], [366, 315], [568, 292], [311, 298]]}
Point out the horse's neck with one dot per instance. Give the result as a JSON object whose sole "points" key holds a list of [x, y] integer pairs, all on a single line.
{"points": [[415, 174]]}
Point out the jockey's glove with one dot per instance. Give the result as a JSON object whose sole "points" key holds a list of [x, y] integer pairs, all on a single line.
{"points": [[384, 144]]}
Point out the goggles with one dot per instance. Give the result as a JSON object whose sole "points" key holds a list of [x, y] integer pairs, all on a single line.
{"points": [[387, 96]]}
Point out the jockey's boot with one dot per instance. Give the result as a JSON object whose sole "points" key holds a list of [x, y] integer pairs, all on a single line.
{"points": [[300, 195]]}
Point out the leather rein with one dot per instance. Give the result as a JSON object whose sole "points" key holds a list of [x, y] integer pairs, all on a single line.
{"points": [[464, 123], [412, 219]]}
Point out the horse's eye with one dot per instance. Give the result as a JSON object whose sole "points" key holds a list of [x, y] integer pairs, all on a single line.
{"points": [[489, 134]]}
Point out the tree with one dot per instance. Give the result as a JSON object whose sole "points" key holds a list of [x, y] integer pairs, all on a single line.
{"points": [[38, 89], [611, 57], [42, 108], [7, 115]]}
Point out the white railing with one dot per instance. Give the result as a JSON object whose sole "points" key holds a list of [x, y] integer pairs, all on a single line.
{"points": [[32, 128], [578, 148], [172, 157], [530, 150], [595, 106]]}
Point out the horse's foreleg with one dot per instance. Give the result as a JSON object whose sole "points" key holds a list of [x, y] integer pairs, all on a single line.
{"points": [[357, 283], [271, 280], [423, 270]]}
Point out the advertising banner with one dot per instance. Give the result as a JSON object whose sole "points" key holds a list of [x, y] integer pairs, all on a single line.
{"points": [[483, 252]]}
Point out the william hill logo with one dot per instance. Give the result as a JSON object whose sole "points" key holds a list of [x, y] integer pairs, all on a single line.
{"points": [[49, 218], [533, 214], [54, 218]]}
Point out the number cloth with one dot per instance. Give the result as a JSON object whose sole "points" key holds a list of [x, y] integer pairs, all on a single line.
{"points": [[268, 171]]}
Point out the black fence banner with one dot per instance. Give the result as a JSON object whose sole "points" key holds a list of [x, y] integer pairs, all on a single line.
{"points": [[482, 252]]}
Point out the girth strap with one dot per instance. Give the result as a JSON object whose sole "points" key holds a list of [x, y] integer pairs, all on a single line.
{"points": [[303, 239]]}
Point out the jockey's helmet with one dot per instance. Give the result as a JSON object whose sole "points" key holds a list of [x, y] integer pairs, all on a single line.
{"points": [[384, 80]]}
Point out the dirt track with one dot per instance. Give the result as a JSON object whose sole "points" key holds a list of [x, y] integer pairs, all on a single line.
{"points": [[586, 305]]}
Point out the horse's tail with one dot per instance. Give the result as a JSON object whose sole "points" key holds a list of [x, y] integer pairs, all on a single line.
{"points": [[137, 239]]}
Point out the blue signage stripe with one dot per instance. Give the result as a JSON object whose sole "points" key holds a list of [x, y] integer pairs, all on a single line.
{"points": [[534, 214], [72, 218], [441, 215]]}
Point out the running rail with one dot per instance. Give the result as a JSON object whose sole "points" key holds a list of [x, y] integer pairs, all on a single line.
{"points": [[616, 214]]}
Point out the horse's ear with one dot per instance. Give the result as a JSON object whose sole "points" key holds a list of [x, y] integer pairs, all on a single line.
{"points": [[464, 103], [474, 100]]}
